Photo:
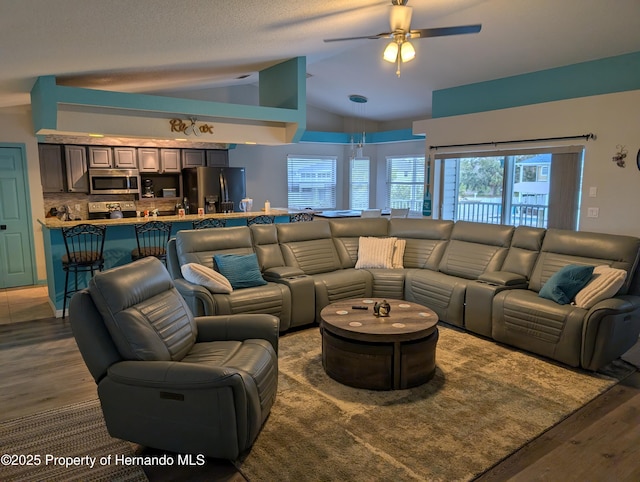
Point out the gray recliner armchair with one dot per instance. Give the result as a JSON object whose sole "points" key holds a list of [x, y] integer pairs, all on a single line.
{"points": [[167, 380]]}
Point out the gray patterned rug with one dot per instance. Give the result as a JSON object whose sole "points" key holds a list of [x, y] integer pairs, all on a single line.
{"points": [[64, 444], [484, 403]]}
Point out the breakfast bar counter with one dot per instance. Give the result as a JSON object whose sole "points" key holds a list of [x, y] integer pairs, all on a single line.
{"points": [[120, 240]]}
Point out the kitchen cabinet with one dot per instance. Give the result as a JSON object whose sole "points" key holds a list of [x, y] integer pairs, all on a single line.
{"points": [[148, 159], [170, 160], [217, 158], [193, 158], [125, 157], [51, 167], [76, 164], [100, 157]]}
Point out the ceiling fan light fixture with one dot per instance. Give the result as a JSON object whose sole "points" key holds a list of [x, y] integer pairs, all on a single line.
{"points": [[407, 52], [391, 52]]}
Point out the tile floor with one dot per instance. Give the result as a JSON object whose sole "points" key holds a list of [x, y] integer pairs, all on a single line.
{"points": [[24, 304]]}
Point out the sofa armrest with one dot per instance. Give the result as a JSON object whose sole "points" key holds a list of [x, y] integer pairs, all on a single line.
{"points": [[239, 327], [171, 375], [280, 272], [198, 298], [503, 278], [610, 328]]}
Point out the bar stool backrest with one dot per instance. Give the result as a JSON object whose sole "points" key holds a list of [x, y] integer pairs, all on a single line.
{"points": [[209, 223], [152, 238], [261, 219], [84, 244]]}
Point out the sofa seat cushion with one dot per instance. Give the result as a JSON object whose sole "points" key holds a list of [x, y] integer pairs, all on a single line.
{"points": [[272, 299], [443, 293], [252, 359], [522, 319], [388, 283]]}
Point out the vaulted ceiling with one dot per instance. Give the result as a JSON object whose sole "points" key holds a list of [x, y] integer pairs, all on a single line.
{"points": [[209, 49]]}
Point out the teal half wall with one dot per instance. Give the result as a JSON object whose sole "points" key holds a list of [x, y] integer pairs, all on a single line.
{"points": [[400, 135], [603, 76]]}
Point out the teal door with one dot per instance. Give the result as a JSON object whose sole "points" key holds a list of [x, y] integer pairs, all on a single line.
{"points": [[16, 240]]}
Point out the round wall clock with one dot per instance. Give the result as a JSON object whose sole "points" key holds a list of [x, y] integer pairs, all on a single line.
{"points": [[638, 159]]}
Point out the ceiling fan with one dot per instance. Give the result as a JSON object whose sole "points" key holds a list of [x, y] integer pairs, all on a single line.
{"points": [[400, 49]]}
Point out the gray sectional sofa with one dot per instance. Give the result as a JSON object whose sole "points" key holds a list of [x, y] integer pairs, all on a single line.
{"points": [[483, 278]]}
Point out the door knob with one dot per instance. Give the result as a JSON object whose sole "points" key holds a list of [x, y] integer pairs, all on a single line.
{"points": [[3, 227]]}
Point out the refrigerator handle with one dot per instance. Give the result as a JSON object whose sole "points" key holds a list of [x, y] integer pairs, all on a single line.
{"points": [[224, 193]]}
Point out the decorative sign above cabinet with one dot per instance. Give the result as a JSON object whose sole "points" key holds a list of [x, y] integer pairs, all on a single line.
{"points": [[178, 125]]}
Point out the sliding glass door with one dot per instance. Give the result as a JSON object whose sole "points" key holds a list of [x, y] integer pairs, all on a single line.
{"points": [[539, 189]]}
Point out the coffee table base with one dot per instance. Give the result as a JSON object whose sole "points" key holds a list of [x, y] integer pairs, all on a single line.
{"points": [[379, 366]]}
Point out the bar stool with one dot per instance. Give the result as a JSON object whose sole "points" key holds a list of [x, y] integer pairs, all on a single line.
{"points": [[209, 223], [152, 238], [261, 219], [84, 244], [300, 217]]}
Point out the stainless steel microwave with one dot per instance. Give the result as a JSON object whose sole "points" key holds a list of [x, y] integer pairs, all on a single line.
{"points": [[114, 181]]}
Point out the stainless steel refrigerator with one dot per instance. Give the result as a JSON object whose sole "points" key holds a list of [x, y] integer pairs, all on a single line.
{"points": [[216, 189]]}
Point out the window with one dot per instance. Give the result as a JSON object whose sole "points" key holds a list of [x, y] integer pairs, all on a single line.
{"points": [[538, 189], [311, 182], [359, 185], [405, 182]]}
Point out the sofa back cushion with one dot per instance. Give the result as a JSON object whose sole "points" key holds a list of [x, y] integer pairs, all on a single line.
{"points": [[346, 234], [145, 315], [308, 246], [426, 240], [265, 242], [475, 248], [562, 247], [523, 252], [200, 245]]}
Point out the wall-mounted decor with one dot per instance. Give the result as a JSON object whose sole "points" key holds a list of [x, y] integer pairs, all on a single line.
{"points": [[638, 159], [619, 156], [178, 125]]}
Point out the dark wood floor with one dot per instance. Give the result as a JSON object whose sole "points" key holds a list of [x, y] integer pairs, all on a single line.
{"points": [[41, 368]]}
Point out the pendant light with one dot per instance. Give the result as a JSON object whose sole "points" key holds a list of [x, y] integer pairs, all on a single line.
{"points": [[358, 137]]}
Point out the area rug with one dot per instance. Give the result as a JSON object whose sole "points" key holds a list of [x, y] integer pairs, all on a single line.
{"points": [[64, 444], [484, 402]]}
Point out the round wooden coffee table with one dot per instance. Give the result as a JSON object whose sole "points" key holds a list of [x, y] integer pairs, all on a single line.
{"points": [[379, 353]]}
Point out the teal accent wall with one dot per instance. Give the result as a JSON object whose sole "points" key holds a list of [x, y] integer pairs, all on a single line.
{"points": [[282, 99], [399, 135], [603, 76]]}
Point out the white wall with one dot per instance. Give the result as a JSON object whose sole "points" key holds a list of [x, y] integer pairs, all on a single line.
{"points": [[16, 127], [613, 118], [266, 168]]}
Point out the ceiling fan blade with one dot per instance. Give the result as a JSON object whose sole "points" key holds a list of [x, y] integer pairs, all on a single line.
{"points": [[443, 31], [380, 35]]}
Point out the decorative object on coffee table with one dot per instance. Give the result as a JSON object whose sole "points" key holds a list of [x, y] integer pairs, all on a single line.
{"points": [[379, 353]]}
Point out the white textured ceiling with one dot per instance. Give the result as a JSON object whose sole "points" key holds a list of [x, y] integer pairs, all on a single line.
{"points": [[173, 46]]}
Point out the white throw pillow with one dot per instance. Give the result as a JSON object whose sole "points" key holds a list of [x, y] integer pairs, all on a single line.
{"points": [[604, 284], [398, 253], [375, 252], [209, 278]]}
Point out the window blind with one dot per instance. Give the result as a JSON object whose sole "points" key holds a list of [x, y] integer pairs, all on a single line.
{"points": [[359, 185], [311, 182]]}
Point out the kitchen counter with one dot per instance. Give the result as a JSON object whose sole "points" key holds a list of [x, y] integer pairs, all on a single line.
{"points": [[120, 239], [237, 219]]}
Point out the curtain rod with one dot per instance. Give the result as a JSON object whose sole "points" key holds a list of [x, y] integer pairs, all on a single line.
{"points": [[584, 136]]}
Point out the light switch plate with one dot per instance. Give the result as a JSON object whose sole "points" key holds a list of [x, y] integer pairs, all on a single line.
{"points": [[593, 191], [592, 212]]}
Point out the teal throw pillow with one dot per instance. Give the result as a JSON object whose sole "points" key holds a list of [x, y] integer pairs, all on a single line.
{"points": [[242, 271], [565, 283]]}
